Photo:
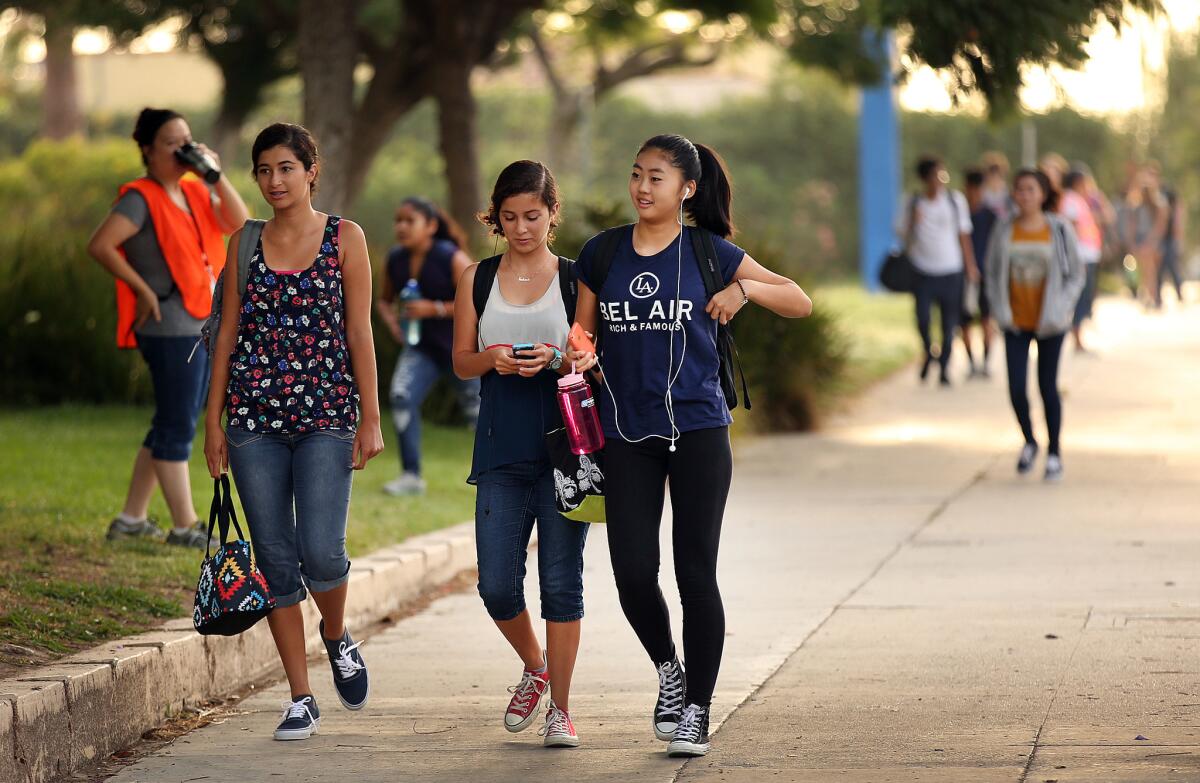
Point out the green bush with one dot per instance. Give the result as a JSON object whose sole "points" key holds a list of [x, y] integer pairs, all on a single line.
{"points": [[57, 306]]}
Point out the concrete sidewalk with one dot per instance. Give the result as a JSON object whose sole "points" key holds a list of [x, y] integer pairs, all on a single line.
{"points": [[900, 607]]}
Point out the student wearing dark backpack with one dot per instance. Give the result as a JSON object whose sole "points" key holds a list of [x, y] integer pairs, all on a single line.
{"points": [[511, 318], [665, 355]]}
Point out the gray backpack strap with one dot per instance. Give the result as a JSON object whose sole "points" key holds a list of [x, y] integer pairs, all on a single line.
{"points": [[251, 233]]}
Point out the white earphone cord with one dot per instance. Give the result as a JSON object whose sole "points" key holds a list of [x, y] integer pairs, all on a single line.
{"points": [[672, 370]]}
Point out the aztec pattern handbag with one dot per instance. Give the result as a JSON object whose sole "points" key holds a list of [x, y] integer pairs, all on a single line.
{"points": [[232, 593]]}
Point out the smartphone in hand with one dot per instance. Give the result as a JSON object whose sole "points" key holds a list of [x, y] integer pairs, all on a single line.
{"points": [[522, 351], [579, 341]]}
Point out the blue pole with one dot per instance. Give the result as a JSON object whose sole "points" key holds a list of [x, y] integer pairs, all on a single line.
{"points": [[878, 162]]}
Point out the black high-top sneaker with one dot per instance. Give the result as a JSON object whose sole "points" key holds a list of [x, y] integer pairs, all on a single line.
{"points": [[691, 736], [669, 708]]}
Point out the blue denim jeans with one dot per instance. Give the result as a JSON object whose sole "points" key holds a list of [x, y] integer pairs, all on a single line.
{"points": [[180, 388], [295, 491], [507, 503], [412, 379]]}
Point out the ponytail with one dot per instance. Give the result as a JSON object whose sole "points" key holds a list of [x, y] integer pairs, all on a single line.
{"points": [[710, 207]]}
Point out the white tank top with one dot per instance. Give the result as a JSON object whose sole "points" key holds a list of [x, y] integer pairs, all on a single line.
{"points": [[542, 321]]}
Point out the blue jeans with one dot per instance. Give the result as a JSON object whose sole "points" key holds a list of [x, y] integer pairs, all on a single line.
{"points": [[412, 379], [295, 491], [506, 505], [947, 292], [180, 389]]}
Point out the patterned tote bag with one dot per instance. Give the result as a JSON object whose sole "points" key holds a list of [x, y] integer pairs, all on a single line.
{"points": [[232, 594], [578, 480]]}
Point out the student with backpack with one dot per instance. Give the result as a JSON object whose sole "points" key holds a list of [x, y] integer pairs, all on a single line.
{"points": [[660, 295], [512, 313], [293, 373]]}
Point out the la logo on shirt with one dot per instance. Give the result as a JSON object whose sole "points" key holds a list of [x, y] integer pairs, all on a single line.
{"points": [[636, 314]]}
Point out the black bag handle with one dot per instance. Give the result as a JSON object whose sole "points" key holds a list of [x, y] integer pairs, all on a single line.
{"points": [[221, 513]]}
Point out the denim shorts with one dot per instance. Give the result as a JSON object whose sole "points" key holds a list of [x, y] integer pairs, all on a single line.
{"points": [[507, 504], [295, 491], [180, 388]]}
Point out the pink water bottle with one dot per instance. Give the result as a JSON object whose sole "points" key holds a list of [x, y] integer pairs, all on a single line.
{"points": [[579, 414]]}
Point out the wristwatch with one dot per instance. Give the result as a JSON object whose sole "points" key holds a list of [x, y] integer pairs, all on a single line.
{"points": [[557, 361]]}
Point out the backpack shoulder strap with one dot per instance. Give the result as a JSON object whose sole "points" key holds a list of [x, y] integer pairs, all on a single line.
{"points": [[485, 275], [706, 256], [567, 277], [606, 251], [251, 234]]}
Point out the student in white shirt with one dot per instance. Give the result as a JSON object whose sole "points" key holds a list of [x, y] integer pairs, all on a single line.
{"points": [[936, 223]]}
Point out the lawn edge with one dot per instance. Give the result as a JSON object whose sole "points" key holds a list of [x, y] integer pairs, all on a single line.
{"points": [[82, 708]]}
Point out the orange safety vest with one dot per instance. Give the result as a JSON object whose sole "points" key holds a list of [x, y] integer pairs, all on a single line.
{"points": [[193, 246]]}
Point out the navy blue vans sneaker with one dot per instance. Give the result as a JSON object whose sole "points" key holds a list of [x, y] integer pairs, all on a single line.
{"points": [[349, 670], [691, 737], [301, 719]]}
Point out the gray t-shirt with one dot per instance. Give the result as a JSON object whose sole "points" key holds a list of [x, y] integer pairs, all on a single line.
{"points": [[145, 256]]}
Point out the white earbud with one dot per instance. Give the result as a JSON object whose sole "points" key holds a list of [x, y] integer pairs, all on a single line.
{"points": [[687, 192]]}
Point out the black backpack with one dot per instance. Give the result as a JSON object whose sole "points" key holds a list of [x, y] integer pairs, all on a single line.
{"points": [[485, 275], [710, 271]]}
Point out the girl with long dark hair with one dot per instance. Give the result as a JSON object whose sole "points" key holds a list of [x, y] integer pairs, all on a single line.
{"points": [[422, 272], [294, 377], [665, 417], [523, 303], [1035, 277]]}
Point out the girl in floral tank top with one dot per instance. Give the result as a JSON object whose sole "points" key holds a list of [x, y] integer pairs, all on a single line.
{"points": [[293, 371], [290, 370]]}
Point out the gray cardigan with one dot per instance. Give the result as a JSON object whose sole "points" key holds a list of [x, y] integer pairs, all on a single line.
{"points": [[1063, 283]]}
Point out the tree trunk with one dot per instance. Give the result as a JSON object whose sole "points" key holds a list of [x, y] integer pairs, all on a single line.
{"points": [[61, 117], [457, 140], [328, 36], [565, 116]]}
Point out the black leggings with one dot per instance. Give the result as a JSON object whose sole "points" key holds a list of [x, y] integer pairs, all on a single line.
{"points": [[1016, 346], [699, 473]]}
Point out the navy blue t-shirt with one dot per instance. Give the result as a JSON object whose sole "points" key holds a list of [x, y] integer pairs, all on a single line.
{"points": [[637, 316]]}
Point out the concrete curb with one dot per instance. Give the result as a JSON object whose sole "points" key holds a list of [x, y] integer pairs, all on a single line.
{"points": [[58, 718]]}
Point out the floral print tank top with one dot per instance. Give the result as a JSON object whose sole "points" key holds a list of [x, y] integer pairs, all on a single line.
{"points": [[290, 369]]}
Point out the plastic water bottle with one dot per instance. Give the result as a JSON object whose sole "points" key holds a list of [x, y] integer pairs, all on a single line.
{"points": [[412, 327], [579, 413]]}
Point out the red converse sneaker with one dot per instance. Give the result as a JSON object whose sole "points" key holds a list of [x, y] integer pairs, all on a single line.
{"points": [[526, 702], [559, 731]]}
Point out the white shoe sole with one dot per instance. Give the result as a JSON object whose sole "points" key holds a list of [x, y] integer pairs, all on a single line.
{"points": [[528, 721], [679, 748], [561, 742], [287, 735], [665, 736]]}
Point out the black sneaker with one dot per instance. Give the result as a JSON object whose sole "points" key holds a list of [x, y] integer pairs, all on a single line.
{"points": [[301, 719], [349, 670], [672, 683], [119, 530], [195, 536], [925, 368], [1028, 456], [691, 738]]}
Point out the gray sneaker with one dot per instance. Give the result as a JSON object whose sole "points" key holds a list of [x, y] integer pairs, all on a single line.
{"points": [[407, 484], [119, 530], [195, 536]]}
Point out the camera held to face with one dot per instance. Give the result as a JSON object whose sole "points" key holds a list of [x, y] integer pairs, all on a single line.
{"points": [[191, 155]]}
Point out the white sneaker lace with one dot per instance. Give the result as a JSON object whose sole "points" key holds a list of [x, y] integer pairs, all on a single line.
{"points": [[557, 723], [670, 689], [525, 690], [296, 709], [347, 666], [691, 724]]}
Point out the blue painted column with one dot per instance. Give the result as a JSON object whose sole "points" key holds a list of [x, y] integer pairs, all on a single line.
{"points": [[878, 162]]}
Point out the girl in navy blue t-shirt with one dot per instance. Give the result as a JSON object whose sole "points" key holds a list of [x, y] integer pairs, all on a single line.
{"points": [[664, 414]]}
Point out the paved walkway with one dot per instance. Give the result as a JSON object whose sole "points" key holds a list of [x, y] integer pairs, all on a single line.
{"points": [[901, 607]]}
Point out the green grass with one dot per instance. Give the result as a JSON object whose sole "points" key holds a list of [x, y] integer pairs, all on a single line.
{"points": [[879, 328], [64, 470], [63, 474]]}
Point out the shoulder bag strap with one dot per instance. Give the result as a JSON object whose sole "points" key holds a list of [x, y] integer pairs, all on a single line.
{"points": [[606, 252], [485, 275], [567, 285], [247, 242]]}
